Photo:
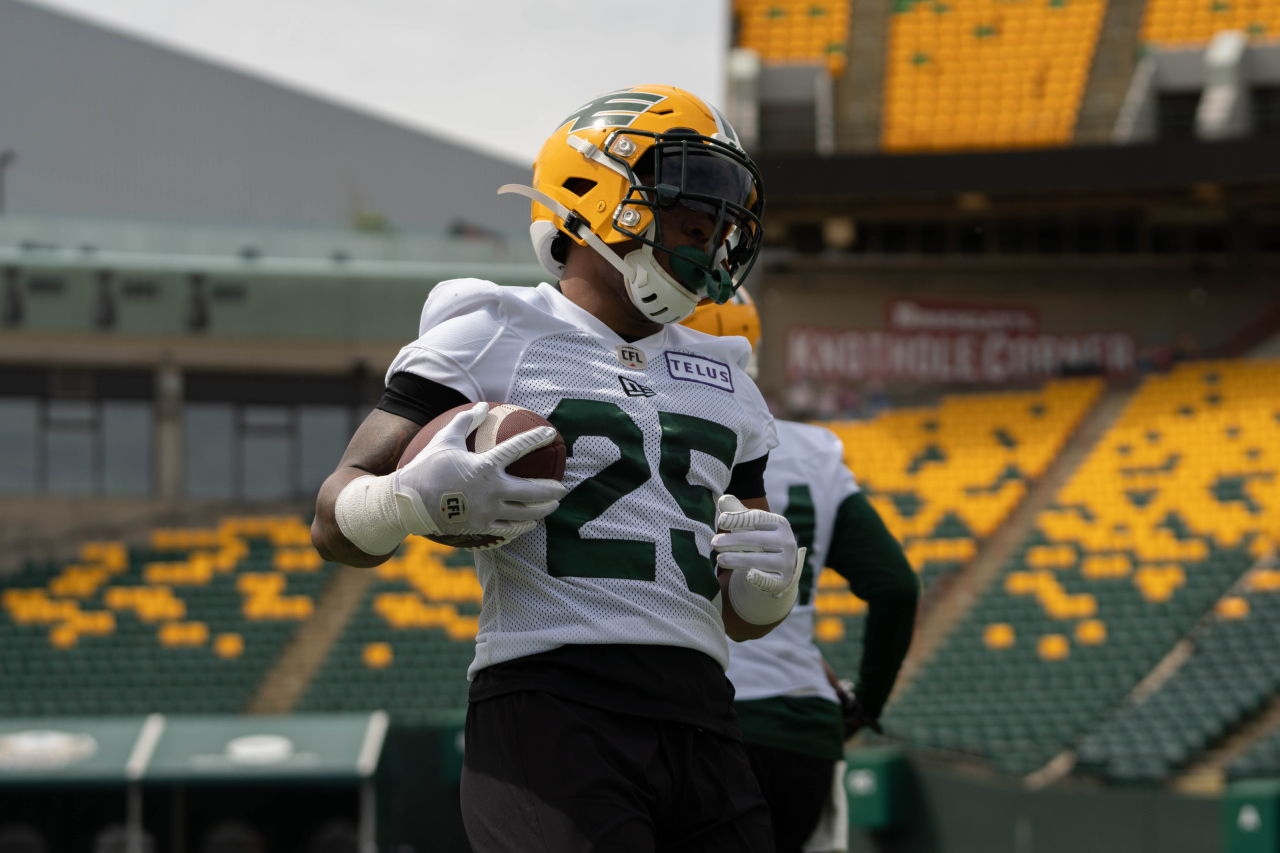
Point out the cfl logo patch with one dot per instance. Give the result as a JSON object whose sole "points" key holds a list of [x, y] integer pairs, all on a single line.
{"points": [[453, 506], [631, 357]]}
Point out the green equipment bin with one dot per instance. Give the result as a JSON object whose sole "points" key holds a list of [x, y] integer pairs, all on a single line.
{"points": [[1251, 816], [875, 782]]}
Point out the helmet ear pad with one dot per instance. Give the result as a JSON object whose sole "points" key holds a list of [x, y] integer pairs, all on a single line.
{"points": [[550, 245]]}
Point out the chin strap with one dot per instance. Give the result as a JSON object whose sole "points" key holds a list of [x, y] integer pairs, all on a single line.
{"points": [[638, 268], [567, 215]]}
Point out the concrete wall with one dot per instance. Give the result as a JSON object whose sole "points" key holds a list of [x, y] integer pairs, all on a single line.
{"points": [[956, 812]]}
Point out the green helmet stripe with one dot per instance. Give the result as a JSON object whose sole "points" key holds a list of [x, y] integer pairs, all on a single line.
{"points": [[616, 109]]}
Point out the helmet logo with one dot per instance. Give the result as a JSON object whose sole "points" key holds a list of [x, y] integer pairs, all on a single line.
{"points": [[616, 109]]}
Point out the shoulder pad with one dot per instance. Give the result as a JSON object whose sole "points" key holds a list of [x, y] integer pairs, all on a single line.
{"points": [[456, 297], [815, 439]]}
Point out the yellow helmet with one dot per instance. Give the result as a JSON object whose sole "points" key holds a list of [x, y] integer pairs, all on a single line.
{"points": [[737, 316], [617, 160]]}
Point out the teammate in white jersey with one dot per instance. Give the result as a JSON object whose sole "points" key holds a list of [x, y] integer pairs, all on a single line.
{"points": [[600, 718], [794, 717]]}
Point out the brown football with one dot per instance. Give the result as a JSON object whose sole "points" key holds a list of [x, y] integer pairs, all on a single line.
{"points": [[504, 421]]}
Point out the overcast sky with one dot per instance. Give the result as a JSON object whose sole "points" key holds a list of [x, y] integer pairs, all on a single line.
{"points": [[495, 74]]}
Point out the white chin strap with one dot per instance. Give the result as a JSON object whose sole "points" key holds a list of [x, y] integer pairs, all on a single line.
{"points": [[652, 290]]}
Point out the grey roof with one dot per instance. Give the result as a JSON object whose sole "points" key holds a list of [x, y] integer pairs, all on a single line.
{"points": [[105, 124]]}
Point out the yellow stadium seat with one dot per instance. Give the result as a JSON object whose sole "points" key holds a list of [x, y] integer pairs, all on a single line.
{"points": [[377, 655], [998, 635]]}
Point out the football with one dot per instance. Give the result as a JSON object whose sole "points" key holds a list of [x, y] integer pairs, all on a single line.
{"points": [[503, 421]]}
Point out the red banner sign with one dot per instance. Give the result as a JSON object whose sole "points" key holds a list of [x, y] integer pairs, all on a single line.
{"points": [[934, 356]]}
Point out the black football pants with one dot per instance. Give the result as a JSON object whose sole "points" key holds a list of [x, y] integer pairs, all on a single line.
{"points": [[546, 774], [796, 787]]}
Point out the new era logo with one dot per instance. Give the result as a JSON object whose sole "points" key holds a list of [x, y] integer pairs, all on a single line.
{"points": [[632, 388]]}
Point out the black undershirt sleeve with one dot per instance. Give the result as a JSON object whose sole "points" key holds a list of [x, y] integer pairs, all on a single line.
{"points": [[419, 400], [867, 555], [747, 479]]}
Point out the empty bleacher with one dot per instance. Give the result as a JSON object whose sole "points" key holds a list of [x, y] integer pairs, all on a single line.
{"points": [[189, 622], [1232, 673], [1176, 502], [1194, 22], [408, 645], [795, 31], [944, 478], [1260, 759], [987, 74]]}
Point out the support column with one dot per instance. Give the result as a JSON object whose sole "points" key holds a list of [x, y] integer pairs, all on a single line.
{"points": [[168, 425]]}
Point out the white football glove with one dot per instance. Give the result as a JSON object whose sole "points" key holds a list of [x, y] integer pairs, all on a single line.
{"points": [[761, 550], [449, 490]]}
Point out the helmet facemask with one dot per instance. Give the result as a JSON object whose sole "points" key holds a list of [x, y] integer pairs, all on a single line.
{"points": [[682, 169], [660, 172]]}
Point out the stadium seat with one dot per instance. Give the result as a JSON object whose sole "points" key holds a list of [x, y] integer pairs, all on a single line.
{"points": [[190, 621], [1194, 22], [946, 477], [988, 74], [1104, 586], [407, 648], [792, 31]]}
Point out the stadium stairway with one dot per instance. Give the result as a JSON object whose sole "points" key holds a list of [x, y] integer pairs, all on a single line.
{"points": [[1208, 774], [1170, 509], [1115, 58], [302, 657], [861, 87], [941, 613]]}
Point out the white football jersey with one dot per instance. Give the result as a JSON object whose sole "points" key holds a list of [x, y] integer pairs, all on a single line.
{"points": [[653, 429], [806, 481]]}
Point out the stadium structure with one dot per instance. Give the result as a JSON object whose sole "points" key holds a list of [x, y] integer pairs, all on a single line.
{"points": [[1022, 257]]}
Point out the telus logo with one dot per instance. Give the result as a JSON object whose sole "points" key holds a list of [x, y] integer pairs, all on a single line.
{"points": [[700, 369]]}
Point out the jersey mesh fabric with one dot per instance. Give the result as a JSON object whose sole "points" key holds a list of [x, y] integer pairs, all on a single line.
{"points": [[537, 350], [809, 461], [526, 610]]}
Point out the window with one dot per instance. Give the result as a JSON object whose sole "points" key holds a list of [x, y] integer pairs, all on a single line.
{"points": [[126, 443], [262, 452], [208, 431], [70, 433], [19, 431], [266, 459], [323, 433]]}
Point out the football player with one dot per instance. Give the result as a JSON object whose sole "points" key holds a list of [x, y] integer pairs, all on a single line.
{"points": [[793, 713], [600, 717]]}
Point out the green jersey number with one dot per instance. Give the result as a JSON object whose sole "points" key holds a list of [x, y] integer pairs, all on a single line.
{"points": [[569, 555], [803, 517]]}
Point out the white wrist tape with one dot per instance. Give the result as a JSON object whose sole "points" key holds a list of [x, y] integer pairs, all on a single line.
{"points": [[367, 514], [758, 607]]}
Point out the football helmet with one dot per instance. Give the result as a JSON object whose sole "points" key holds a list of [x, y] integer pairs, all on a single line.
{"points": [[735, 316], [610, 169]]}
